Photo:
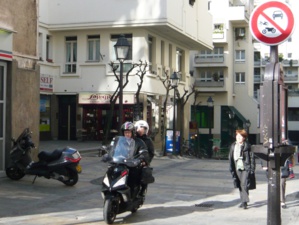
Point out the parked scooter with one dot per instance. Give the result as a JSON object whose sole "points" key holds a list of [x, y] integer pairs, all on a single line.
{"points": [[118, 193], [62, 165]]}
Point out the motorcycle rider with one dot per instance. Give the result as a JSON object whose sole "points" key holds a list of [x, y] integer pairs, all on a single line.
{"points": [[142, 129], [128, 130]]}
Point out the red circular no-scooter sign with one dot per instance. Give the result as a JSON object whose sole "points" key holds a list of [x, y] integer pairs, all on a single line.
{"points": [[272, 22]]}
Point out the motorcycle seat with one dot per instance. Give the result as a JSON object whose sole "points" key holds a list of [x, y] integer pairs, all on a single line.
{"points": [[50, 156]]}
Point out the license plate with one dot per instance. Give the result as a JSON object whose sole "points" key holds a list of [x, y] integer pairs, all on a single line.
{"points": [[79, 168]]}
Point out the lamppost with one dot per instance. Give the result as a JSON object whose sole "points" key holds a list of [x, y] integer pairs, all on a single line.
{"points": [[247, 125], [231, 116], [174, 83], [121, 48], [210, 104]]}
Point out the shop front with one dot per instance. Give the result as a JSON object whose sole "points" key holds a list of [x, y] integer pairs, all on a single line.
{"points": [[5, 62], [46, 90], [96, 110]]}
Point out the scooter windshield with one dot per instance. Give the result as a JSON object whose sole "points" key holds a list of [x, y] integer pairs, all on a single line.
{"points": [[122, 148]]}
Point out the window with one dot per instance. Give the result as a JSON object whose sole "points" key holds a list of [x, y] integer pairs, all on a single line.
{"points": [[93, 44], [293, 114], [170, 55], [40, 46], [49, 49], [191, 2], [240, 33], [290, 39], [162, 53], [71, 55], [205, 76], [218, 28], [150, 53], [218, 52], [179, 60], [203, 115], [240, 56], [240, 78], [289, 55]]}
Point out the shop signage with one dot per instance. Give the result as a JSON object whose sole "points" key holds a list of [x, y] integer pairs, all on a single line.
{"points": [[99, 98], [46, 83]]}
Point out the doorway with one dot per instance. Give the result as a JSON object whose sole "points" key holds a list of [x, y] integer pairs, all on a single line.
{"points": [[67, 117], [2, 113]]}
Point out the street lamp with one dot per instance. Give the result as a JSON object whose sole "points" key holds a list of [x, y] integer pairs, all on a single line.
{"points": [[174, 83], [247, 125], [231, 116], [210, 104], [121, 48]]}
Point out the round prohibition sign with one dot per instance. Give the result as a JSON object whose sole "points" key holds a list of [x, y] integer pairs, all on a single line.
{"points": [[272, 22]]}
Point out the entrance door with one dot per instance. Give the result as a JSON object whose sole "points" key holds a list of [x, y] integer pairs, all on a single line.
{"points": [[67, 117], [2, 114]]}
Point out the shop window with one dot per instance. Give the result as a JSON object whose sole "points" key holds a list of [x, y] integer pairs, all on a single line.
{"points": [[45, 114], [203, 115]]}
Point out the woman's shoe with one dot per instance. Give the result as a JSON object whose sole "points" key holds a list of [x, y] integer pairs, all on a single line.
{"points": [[241, 205], [283, 205], [244, 205]]}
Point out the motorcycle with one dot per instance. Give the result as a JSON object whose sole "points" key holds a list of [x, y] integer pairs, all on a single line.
{"points": [[117, 190], [62, 165]]}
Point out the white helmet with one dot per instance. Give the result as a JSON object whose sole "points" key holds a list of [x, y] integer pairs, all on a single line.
{"points": [[142, 123]]}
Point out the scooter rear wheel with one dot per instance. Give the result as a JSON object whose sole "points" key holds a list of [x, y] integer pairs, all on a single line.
{"points": [[73, 178], [14, 173], [110, 211]]}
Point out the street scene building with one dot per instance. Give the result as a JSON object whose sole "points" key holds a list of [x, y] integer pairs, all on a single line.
{"points": [[75, 50]]}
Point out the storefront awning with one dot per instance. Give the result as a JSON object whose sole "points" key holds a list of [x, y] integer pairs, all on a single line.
{"points": [[237, 114]]}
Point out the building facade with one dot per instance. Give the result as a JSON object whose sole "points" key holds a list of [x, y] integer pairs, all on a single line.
{"points": [[75, 50], [19, 74], [225, 75], [233, 72]]}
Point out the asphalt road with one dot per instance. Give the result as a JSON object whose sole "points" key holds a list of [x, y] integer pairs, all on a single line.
{"points": [[186, 191]]}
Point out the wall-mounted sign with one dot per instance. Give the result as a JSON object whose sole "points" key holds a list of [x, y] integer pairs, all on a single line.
{"points": [[99, 98], [46, 83]]}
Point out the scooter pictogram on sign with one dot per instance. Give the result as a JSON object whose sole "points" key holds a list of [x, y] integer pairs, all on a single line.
{"points": [[272, 22]]}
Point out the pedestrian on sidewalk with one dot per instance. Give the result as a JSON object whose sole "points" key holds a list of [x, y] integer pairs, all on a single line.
{"points": [[242, 166], [289, 165]]}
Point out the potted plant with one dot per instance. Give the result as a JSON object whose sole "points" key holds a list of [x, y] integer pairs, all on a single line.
{"points": [[216, 77]]}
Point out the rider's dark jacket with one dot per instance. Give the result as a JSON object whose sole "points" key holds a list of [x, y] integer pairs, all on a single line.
{"points": [[150, 146]]}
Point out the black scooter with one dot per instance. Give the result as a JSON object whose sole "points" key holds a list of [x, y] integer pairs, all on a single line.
{"points": [[120, 195], [62, 165]]}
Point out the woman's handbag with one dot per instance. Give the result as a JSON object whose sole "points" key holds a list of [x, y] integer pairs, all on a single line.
{"points": [[147, 175], [251, 182]]}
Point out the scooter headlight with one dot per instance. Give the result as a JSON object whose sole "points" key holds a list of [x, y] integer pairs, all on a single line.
{"points": [[106, 181]]}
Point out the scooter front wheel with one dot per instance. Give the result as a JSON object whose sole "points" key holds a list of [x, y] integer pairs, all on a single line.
{"points": [[14, 173], [72, 178], [110, 211]]}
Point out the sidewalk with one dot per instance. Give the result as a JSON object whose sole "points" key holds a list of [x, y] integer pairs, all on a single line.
{"points": [[186, 191]]}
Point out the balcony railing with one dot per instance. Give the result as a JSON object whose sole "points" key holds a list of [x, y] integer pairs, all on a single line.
{"points": [[210, 60], [290, 77], [203, 83], [257, 78]]}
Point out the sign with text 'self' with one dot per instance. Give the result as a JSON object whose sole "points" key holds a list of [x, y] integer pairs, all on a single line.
{"points": [[272, 22]]}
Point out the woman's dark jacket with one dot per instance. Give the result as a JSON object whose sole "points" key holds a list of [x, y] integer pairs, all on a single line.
{"points": [[248, 160]]}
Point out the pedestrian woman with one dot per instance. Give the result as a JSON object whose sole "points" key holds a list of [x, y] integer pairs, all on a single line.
{"points": [[242, 165]]}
